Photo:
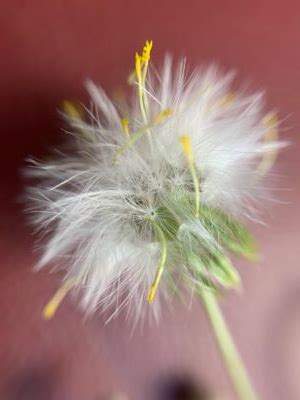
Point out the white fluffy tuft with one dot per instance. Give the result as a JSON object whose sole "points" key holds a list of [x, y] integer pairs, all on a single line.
{"points": [[94, 202]]}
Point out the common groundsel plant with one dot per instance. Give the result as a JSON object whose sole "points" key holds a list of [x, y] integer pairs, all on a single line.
{"points": [[150, 197]]}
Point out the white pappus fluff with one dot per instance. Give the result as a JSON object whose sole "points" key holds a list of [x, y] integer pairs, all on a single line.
{"points": [[118, 202]]}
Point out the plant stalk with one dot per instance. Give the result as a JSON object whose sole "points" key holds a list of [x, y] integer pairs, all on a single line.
{"points": [[231, 357]]}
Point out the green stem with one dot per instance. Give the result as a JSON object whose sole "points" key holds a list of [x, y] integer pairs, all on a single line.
{"points": [[231, 357]]}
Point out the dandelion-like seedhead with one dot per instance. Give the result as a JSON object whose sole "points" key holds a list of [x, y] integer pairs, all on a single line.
{"points": [[147, 197]]}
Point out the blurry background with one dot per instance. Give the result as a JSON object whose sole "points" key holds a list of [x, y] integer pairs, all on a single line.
{"points": [[47, 49]]}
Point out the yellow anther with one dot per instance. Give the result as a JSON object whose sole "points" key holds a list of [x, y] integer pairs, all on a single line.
{"points": [[186, 147], [140, 73], [131, 77], [141, 67], [162, 115], [188, 152], [72, 109], [227, 100], [51, 307], [270, 121], [147, 51], [125, 123], [138, 67], [141, 62]]}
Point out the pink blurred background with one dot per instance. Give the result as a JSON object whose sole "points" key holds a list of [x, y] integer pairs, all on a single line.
{"points": [[48, 49]]}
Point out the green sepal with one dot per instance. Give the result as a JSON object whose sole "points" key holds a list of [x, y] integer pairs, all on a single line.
{"points": [[230, 233], [200, 271], [227, 231], [167, 222], [213, 269], [223, 270]]}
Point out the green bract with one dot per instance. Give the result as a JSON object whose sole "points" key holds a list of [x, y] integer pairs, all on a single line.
{"points": [[203, 244]]}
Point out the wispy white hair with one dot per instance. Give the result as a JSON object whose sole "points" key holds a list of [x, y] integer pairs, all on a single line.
{"points": [[95, 198]]}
